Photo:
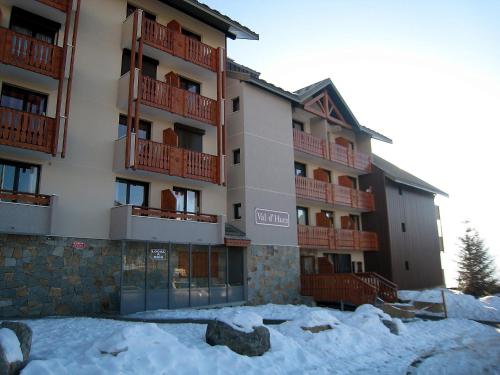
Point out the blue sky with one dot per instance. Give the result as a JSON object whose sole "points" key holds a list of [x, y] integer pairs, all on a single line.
{"points": [[424, 73]]}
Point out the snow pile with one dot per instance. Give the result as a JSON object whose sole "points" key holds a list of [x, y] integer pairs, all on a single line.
{"points": [[458, 305], [11, 346], [244, 321], [317, 318]]}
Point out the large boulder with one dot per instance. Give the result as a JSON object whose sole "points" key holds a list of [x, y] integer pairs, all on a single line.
{"points": [[11, 356], [254, 343], [24, 335]]}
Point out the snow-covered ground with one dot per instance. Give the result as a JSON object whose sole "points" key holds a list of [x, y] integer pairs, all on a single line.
{"points": [[358, 343], [458, 305]]}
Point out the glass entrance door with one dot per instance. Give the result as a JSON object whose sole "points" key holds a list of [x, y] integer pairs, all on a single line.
{"points": [[157, 276], [133, 279]]}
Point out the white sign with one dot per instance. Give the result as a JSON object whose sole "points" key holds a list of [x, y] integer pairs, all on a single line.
{"points": [[158, 254], [273, 218]]}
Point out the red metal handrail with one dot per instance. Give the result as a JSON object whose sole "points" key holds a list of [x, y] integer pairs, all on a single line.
{"points": [[188, 104], [172, 214], [26, 130], [174, 161], [28, 198], [179, 45], [29, 53]]}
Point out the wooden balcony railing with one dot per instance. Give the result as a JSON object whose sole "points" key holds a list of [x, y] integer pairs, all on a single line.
{"points": [[310, 144], [169, 98], [336, 239], [27, 198], [174, 161], [338, 287], [175, 215], [350, 158], [26, 130], [62, 5], [309, 188], [177, 44], [30, 53], [386, 289]]}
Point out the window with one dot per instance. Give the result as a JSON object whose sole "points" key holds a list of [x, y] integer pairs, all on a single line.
{"points": [[236, 104], [341, 263], [298, 125], [132, 8], [403, 227], [23, 100], [330, 216], [131, 192], [355, 222], [354, 182], [407, 265], [300, 169], [191, 35], [20, 177], [237, 211], [302, 216], [149, 65], [144, 128], [307, 265], [32, 25], [188, 85], [189, 138], [187, 200], [236, 156]]}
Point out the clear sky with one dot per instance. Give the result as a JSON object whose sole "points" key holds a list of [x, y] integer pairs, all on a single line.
{"points": [[424, 73]]}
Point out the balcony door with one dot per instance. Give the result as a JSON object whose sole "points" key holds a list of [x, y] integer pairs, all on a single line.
{"points": [[34, 26], [341, 263], [187, 200], [23, 100], [189, 138], [131, 192]]}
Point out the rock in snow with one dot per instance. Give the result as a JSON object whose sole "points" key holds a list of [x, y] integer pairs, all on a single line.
{"points": [[24, 335], [251, 344], [11, 356]]}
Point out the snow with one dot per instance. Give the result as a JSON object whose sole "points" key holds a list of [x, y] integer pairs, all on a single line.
{"points": [[240, 320], [11, 346], [358, 343], [458, 305]]}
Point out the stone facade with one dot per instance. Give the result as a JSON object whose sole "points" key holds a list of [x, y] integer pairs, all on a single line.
{"points": [[273, 274], [42, 275]]}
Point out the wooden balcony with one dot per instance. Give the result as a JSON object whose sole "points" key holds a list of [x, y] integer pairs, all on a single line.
{"points": [[161, 158], [62, 5], [309, 144], [311, 189], [350, 158], [336, 239], [29, 53], [175, 215], [179, 45], [27, 130], [163, 96]]}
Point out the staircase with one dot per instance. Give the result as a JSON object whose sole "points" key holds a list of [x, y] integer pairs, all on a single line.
{"points": [[386, 289]]}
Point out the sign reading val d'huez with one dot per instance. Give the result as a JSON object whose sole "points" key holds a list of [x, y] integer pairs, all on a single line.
{"points": [[270, 217]]}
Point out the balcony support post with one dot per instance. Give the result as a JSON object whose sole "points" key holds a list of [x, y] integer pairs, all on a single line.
{"points": [[220, 113], [131, 90], [139, 83], [60, 84]]}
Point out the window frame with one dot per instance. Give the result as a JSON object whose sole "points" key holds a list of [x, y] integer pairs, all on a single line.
{"points": [[298, 123], [146, 60], [237, 156], [25, 93], [190, 34], [235, 104], [142, 124], [237, 211], [179, 129], [184, 79], [306, 212], [148, 15], [185, 191], [128, 182], [35, 23], [18, 165], [299, 165]]}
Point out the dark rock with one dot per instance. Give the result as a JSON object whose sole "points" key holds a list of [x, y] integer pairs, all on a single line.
{"points": [[316, 329], [251, 344], [393, 327]]}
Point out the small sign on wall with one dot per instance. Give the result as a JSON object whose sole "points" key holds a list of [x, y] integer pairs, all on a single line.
{"points": [[158, 254], [273, 218], [78, 245]]}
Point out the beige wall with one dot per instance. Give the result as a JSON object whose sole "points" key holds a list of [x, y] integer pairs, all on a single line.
{"points": [[84, 180]]}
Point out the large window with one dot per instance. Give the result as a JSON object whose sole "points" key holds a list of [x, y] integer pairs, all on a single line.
{"points": [[189, 138], [131, 192], [187, 200], [189, 85], [302, 216], [144, 128], [23, 100], [300, 169], [32, 25], [19, 177], [149, 65]]}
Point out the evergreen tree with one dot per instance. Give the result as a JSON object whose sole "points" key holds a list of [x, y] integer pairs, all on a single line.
{"points": [[476, 269]]}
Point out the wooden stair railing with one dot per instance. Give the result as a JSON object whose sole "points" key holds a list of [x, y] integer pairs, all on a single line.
{"points": [[341, 287], [386, 289]]}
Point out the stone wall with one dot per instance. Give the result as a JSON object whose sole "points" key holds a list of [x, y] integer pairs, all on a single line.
{"points": [[273, 274], [42, 275]]}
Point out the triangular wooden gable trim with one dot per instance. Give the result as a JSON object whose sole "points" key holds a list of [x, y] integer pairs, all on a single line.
{"points": [[327, 109]]}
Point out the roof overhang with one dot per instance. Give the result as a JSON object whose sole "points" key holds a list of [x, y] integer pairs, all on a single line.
{"points": [[204, 13]]}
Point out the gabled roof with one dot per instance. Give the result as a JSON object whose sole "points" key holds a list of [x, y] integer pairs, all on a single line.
{"points": [[400, 176], [214, 18]]}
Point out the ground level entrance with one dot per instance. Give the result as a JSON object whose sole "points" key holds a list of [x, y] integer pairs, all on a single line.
{"points": [[170, 276]]}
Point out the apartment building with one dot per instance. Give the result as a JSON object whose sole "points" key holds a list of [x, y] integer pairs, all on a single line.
{"points": [[112, 157]]}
